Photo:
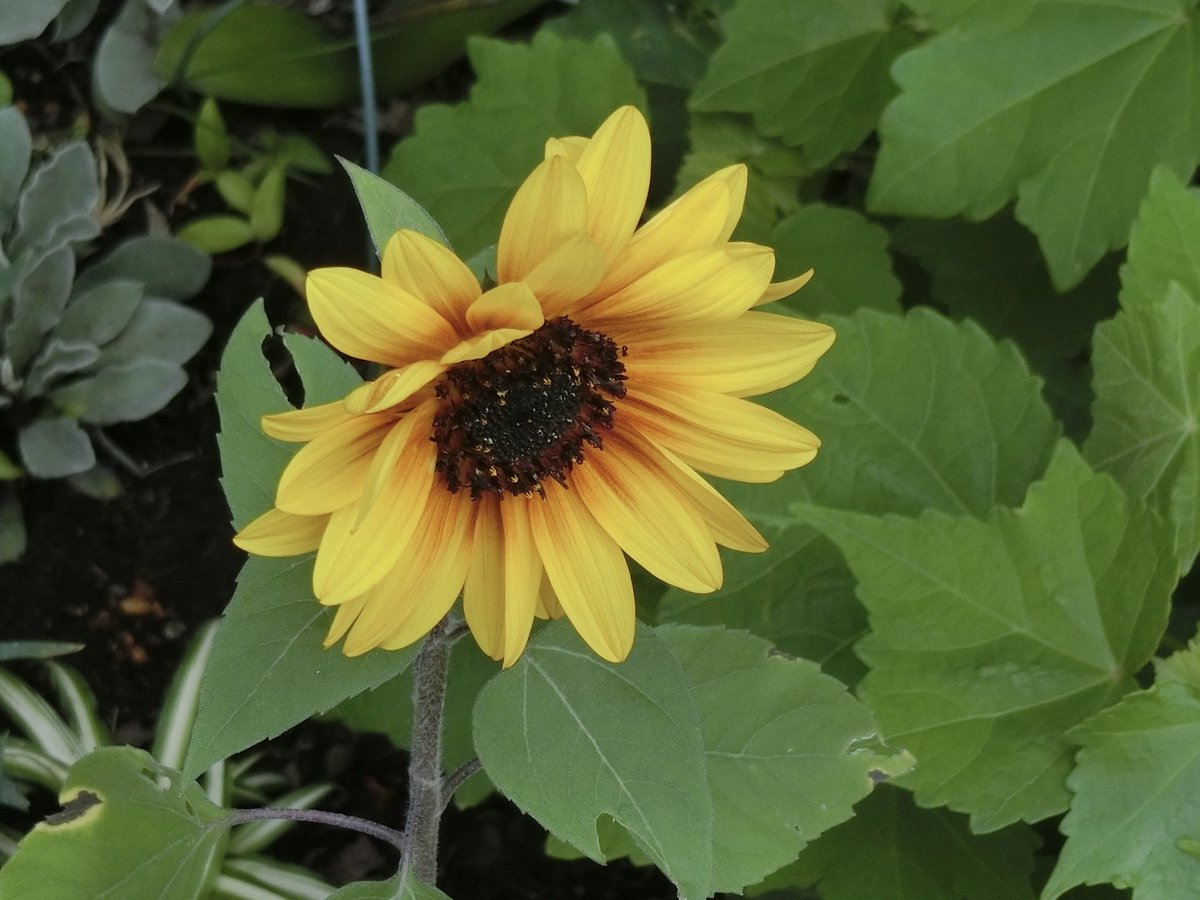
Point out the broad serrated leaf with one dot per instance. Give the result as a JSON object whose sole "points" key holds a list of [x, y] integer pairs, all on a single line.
{"points": [[129, 828], [464, 163], [55, 448], [894, 849], [569, 737], [849, 256], [1147, 384], [788, 750], [989, 638], [1164, 245], [1068, 106], [165, 266], [387, 209], [124, 392], [815, 74], [400, 887], [270, 641], [1133, 820], [881, 402], [993, 272]]}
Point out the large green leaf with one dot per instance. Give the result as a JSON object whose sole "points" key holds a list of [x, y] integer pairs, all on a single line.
{"points": [[463, 163], [849, 255], [788, 750], [892, 848], [991, 637], [129, 828], [1147, 384], [569, 738], [1067, 105], [398, 887], [1134, 820], [387, 209], [1164, 245], [815, 74]]}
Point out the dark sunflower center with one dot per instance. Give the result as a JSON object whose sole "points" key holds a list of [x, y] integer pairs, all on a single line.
{"points": [[523, 413]]}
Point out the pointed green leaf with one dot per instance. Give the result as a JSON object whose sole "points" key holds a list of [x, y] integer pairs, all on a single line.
{"points": [[815, 74], [464, 163], [211, 137], [387, 209], [892, 848], [266, 212], [1134, 821], [1164, 245], [849, 255], [788, 750], [569, 737], [1068, 106], [1147, 411], [129, 828], [217, 234], [991, 637], [399, 887], [10, 650]]}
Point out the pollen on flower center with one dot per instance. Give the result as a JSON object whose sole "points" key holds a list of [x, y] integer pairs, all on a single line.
{"points": [[523, 413]]}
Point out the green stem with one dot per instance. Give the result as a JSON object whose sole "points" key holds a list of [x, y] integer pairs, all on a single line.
{"points": [[320, 817]]}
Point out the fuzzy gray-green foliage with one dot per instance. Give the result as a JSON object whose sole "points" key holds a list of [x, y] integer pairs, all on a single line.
{"points": [[95, 347]]}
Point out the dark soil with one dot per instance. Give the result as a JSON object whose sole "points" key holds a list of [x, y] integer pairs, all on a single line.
{"points": [[132, 578]]}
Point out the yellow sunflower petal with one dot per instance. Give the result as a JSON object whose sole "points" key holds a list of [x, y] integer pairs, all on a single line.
{"points": [[753, 354], [384, 462], [365, 317], [522, 576], [615, 167], [432, 273], [717, 434], [330, 471], [354, 555], [343, 618], [298, 425], [587, 571], [277, 533], [506, 306], [566, 275], [419, 590], [550, 208], [704, 216], [548, 606], [632, 493], [729, 527], [781, 289], [716, 283], [570, 148], [483, 592], [481, 345], [392, 388]]}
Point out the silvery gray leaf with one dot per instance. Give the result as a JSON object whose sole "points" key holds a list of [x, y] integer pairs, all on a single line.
{"points": [[14, 164], [55, 448], [162, 330], [165, 265], [74, 17], [21, 20], [123, 76], [98, 315], [57, 206], [58, 359], [122, 393], [38, 300]]}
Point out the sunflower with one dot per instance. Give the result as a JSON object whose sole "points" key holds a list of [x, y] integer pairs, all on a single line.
{"points": [[526, 437]]}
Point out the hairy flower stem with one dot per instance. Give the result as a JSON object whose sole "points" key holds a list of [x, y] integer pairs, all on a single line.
{"points": [[320, 817], [425, 804]]}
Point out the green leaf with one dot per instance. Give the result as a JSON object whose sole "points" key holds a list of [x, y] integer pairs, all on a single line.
{"points": [[58, 359], [55, 448], [12, 528], [270, 641], [788, 750], [14, 135], [236, 189], [56, 206], [893, 848], [387, 209], [569, 738], [400, 887], [990, 638], [881, 400], [98, 315], [993, 272], [123, 76], [266, 213], [10, 650], [125, 392], [166, 266], [24, 19], [1068, 105], [1147, 383], [1164, 245], [261, 54], [296, 151], [1133, 821], [815, 74], [211, 137], [159, 330], [849, 255], [464, 163], [10, 795], [38, 298], [129, 828], [218, 233]]}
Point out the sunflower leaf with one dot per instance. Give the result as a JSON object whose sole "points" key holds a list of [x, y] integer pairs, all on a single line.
{"points": [[570, 738], [463, 163], [1164, 245], [815, 74], [929, 854], [788, 750], [129, 828], [1147, 383], [1068, 105], [387, 209], [399, 887], [991, 637], [1133, 820]]}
